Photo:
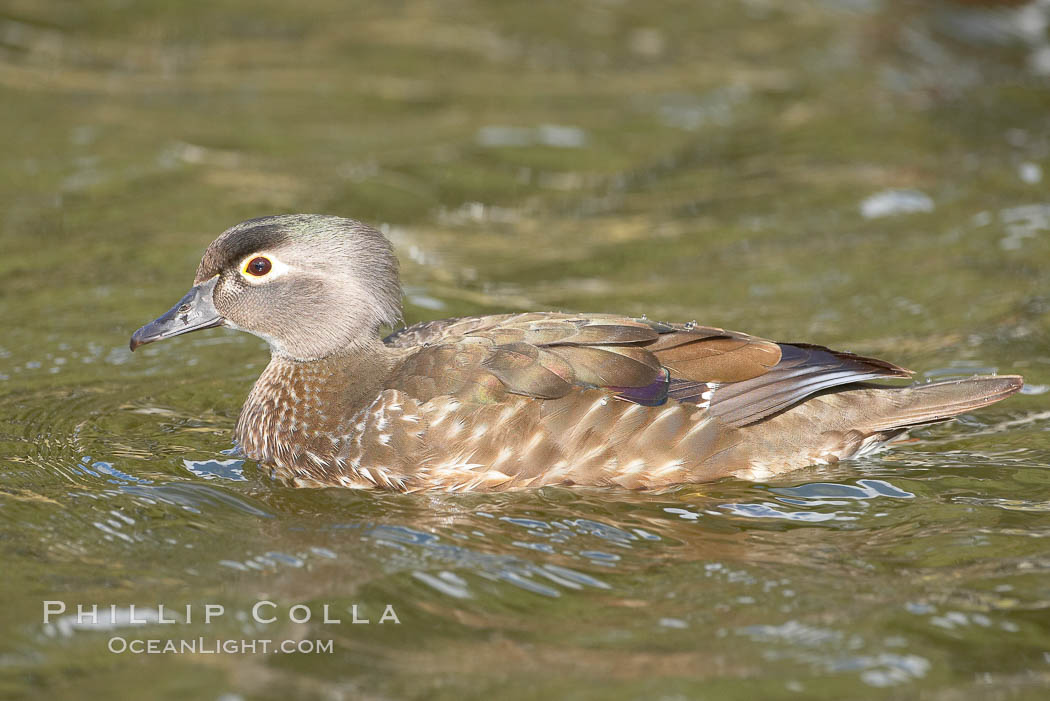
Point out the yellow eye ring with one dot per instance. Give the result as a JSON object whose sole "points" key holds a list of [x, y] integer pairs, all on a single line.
{"points": [[258, 266]]}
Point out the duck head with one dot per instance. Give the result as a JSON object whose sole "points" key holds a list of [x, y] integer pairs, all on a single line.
{"points": [[311, 285]]}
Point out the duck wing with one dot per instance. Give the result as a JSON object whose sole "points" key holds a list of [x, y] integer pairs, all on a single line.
{"points": [[740, 378]]}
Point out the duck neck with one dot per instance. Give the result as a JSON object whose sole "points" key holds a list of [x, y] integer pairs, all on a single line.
{"points": [[302, 408]]}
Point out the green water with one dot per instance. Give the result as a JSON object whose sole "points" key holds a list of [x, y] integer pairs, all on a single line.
{"points": [[720, 161]]}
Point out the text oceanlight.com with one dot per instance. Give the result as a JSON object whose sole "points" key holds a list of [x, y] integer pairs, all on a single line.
{"points": [[206, 646]]}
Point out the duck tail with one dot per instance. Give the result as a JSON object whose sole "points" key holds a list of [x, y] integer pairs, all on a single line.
{"points": [[904, 407]]}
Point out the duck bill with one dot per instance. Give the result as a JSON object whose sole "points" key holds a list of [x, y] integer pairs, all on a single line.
{"points": [[193, 312]]}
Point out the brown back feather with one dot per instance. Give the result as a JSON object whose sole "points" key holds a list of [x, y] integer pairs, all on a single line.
{"points": [[742, 379], [803, 371]]}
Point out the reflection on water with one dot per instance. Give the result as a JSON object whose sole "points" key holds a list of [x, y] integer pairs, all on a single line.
{"points": [[868, 175]]}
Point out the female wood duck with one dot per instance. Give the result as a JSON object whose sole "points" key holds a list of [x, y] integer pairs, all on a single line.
{"points": [[520, 400]]}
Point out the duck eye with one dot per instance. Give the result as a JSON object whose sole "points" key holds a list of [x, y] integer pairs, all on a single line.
{"points": [[258, 266]]}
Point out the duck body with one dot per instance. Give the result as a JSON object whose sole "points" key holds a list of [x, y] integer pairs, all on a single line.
{"points": [[521, 400]]}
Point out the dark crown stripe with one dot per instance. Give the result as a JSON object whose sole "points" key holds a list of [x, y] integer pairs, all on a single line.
{"points": [[230, 248]]}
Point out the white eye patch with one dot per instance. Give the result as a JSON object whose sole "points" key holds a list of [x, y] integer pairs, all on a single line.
{"points": [[261, 267]]}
